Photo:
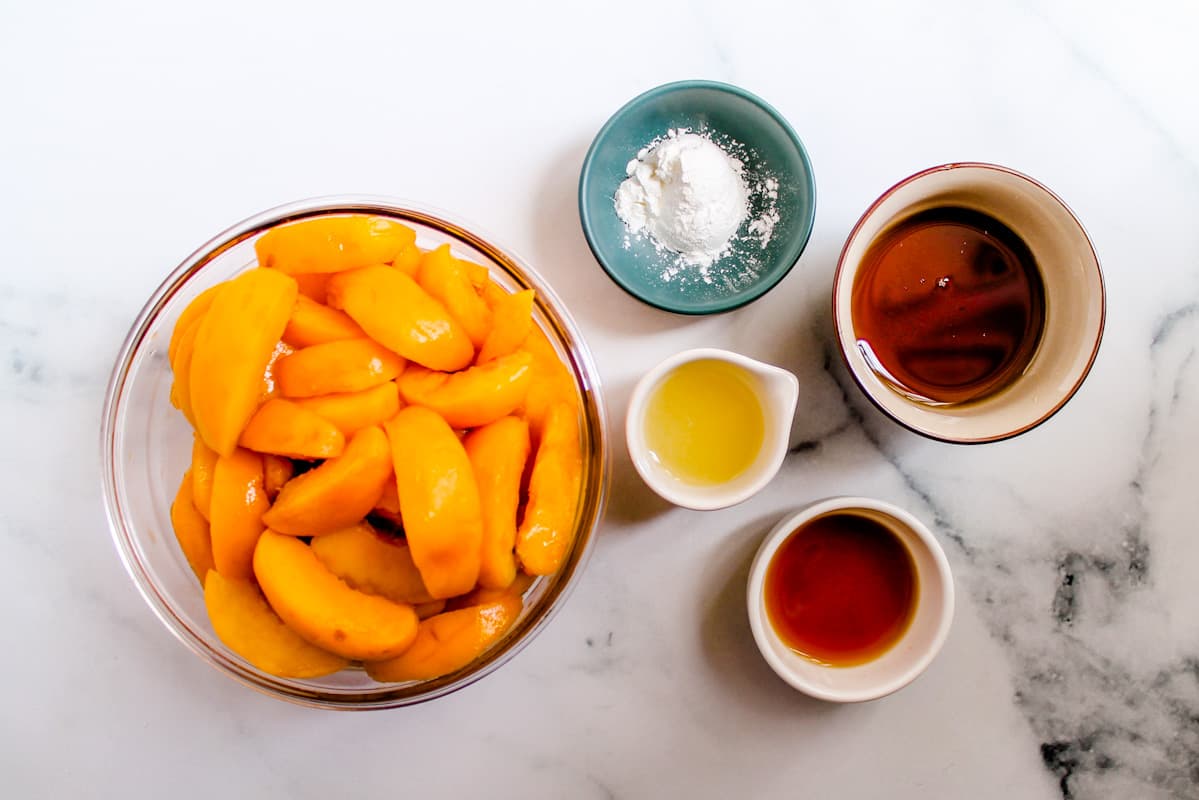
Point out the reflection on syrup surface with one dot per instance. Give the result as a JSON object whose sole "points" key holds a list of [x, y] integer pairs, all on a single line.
{"points": [[948, 305], [841, 590]]}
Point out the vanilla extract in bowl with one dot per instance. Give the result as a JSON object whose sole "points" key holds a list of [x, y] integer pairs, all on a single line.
{"points": [[948, 305]]}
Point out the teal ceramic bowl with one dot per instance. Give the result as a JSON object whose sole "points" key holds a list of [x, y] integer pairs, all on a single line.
{"points": [[769, 148]]}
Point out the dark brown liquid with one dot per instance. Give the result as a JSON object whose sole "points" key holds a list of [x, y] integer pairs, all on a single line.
{"points": [[841, 590], [949, 305]]}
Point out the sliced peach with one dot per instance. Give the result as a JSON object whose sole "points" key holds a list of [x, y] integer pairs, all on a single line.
{"points": [[191, 529], [338, 493], [446, 278], [249, 627], [429, 609], [493, 293], [269, 388], [400, 315], [234, 345], [407, 260], [439, 501], [288, 429], [477, 273], [194, 310], [481, 595], [315, 323], [552, 382], [313, 285], [353, 411], [277, 471], [203, 464], [369, 563], [332, 243], [511, 322], [390, 501], [180, 396], [475, 396], [497, 452], [547, 529], [448, 642], [238, 503], [323, 609], [387, 509], [350, 365]]}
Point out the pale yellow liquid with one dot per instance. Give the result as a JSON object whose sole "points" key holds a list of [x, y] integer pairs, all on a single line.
{"points": [[704, 423]]}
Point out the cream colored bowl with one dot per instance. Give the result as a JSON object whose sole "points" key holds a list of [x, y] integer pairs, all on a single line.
{"points": [[1074, 300]]}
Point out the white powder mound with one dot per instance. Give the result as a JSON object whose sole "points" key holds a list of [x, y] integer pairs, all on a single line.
{"points": [[688, 194]]}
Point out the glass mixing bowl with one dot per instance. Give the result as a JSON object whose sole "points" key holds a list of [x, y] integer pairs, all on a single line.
{"points": [[146, 447]]}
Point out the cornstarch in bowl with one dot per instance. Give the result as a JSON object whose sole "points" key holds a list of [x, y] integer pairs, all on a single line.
{"points": [[705, 203]]}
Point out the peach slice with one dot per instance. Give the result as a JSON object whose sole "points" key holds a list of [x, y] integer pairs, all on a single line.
{"points": [[314, 323], [269, 389], [332, 243], [338, 493], [349, 365], [191, 529], [401, 316], [552, 382], [197, 308], [478, 274], [481, 595], [388, 508], [323, 609], [368, 563], [497, 453], [238, 503], [313, 285], [390, 501], [448, 642], [203, 464], [277, 471], [439, 501], [180, 396], [446, 279], [287, 429], [429, 609], [249, 627], [353, 411], [475, 396], [512, 319], [407, 261], [234, 345], [547, 530]]}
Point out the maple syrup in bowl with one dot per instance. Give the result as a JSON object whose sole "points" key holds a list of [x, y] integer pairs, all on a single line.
{"points": [[841, 590], [948, 305], [850, 599], [969, 303]]}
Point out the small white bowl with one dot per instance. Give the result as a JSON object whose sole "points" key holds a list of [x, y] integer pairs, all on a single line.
{"points": [[776, 389], [908, 657]]}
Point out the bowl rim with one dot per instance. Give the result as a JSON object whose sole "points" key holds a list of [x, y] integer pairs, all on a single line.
{"points": [[597, 466], [838, 322], [764, 634], [759, 288]]}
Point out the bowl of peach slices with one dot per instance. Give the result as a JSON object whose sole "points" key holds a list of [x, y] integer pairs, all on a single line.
{"points": [[354, 453]]}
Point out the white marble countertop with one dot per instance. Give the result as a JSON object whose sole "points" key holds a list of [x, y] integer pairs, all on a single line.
{"points": [[133, 132]]}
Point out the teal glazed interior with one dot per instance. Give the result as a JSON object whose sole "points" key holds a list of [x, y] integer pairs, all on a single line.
{"points": [[632, 262]]}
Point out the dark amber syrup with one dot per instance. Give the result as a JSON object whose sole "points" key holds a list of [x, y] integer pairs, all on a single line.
{"points": [[841, 590], [948, 305]]}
